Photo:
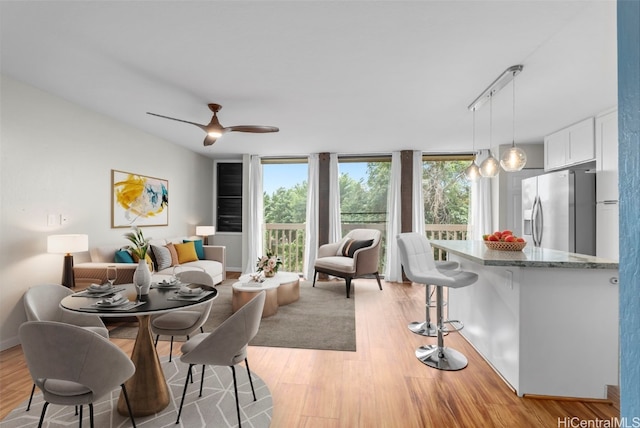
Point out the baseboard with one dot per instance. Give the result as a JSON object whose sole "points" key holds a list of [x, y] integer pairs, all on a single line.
{"points": [[9, 343]]}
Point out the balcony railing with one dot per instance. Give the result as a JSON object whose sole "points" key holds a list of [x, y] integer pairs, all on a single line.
{"points": [[287, 240]]}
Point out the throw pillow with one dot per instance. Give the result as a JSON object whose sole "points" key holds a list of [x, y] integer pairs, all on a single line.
{"points": [[174, 254], [351, 246], [163, 257], [199, 248], [123, 256], [186, 252]]}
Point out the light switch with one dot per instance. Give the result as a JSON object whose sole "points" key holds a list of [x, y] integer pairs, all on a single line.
{"points": [[51, 220]]}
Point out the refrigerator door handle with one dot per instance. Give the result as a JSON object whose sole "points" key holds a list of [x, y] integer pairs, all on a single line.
{"points": [[536, 222], [534, 232], [540, 219]]}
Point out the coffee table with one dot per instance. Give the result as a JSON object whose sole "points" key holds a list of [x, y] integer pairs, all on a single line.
{"points": [[281, 289]]}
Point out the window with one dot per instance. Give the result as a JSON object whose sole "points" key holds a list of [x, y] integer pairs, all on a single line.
{"points": [[285, 204], [446, 195], [364, 184], [229, 197]]}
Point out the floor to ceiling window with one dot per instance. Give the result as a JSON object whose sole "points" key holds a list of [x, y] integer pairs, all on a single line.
{"points": [[446, 195], [285, 202], [364, 185]]}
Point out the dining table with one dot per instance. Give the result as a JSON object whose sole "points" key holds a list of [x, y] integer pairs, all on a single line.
{"points": [[147, 389]]}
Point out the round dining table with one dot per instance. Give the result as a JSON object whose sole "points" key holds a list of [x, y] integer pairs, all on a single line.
{"points": [[147, 388]]}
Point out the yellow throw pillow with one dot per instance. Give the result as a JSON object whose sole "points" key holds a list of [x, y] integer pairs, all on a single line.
{"points": [[186, 252]]}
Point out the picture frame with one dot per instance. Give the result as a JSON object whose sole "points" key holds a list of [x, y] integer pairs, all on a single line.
{"points": [[138, 200]]}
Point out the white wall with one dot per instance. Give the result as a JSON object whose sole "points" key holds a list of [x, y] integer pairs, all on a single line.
{"points": [[56, 158]]}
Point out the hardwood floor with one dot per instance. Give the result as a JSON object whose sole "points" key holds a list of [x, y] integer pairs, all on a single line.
{"points": [[380, 385]]}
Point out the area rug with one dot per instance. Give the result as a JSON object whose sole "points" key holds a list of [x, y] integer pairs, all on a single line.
{"points": [[216, 407], [323, 318]]}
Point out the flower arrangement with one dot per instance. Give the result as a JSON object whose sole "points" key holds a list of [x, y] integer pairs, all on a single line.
{"points": [[269, 264], [139, 244]]}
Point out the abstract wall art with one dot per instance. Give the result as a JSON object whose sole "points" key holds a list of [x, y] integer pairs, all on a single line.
{"points": [[138, 200]]}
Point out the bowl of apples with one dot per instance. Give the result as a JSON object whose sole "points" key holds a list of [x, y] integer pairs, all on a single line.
{"points": [[504, 241]]}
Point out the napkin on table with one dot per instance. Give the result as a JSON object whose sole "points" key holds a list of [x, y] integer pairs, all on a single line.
{"points": [[115, 298], [186, 290], [98, 287]]}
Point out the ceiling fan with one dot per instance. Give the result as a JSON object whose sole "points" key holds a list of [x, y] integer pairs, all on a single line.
{"points": [[214, 130]]}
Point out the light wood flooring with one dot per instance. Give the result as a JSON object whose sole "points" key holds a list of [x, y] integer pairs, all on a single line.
{"points": [[382, 384]]}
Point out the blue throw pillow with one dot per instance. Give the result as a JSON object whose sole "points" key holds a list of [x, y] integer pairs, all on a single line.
{"points": [[199, 247], [123, 256]]}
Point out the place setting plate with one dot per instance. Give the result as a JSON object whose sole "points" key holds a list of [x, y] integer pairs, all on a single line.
{"points": [[95, 290]]}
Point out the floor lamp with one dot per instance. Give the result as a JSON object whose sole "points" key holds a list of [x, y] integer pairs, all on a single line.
{"points": [[67, 244], [205, 232]]}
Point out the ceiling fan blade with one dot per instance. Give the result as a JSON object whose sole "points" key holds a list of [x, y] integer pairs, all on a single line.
{"points": [[252, 128], [203, 127], [209, 140]]}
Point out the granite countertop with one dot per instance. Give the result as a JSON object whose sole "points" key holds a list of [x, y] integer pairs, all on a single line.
{"points": [[530, 256]]}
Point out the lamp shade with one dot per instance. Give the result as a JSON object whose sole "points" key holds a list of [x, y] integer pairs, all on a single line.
{"points": [[205, 230], [67, 244]]}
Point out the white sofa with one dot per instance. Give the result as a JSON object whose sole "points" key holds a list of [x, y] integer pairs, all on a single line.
{"points": [[95, 271]]}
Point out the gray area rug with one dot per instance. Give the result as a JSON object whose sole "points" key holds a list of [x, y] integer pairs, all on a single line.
{"points": [[216, 407], [323, 318]]}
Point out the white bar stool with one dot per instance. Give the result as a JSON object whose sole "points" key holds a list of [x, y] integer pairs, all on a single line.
{"points": [[416, 257]]}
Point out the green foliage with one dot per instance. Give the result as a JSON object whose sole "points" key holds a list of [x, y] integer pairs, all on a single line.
{"points": [[446, 192], [139, 244]]}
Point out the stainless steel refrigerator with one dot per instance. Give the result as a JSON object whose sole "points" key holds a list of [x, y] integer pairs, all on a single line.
{"points": [[559, 211]]}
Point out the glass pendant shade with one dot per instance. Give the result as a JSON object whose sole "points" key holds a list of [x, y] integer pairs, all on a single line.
{"points": [[472, 173], [489, 167], [513, 159]]}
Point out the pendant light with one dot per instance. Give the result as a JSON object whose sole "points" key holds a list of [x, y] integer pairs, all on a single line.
{"points": [[490, 166], [515, 158], [472, 173]]}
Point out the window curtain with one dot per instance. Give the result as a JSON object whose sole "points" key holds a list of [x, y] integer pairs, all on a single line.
{"points": [[311, 230], [417, 196], [393, 268], [255, 213], [480, 206], [335, 222]]}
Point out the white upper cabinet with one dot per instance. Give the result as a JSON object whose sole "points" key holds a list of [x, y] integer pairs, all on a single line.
{"points": [[607, 156], [570, 146]]}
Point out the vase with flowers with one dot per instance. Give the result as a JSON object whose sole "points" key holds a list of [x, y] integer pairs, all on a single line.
{"points": [[139, 247], [269, 264]]}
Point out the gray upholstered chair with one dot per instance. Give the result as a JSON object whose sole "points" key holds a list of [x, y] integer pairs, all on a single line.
{"points": [[73, 366], [358, 254], [183, 323], [417, 260], [225, 346], [42, 303]]}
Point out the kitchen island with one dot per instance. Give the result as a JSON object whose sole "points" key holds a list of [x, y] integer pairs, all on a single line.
{"points": [[546, 320]]}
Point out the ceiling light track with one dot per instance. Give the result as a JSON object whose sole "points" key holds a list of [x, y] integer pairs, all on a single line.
{"points": [[502, 81]]}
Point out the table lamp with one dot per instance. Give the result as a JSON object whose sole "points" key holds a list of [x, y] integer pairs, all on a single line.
{"points": [[205, 232], [67, 244]]}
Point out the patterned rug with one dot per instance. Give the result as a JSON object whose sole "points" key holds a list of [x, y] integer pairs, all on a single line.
{"points": [[216, 407]]}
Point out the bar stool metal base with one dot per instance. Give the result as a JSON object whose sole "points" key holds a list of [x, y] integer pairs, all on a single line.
{"points": [[424, 328], [441, 358]]}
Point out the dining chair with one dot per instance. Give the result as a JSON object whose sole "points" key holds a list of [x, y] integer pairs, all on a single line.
{"points": [[42, 303], [73, 366], [183, 323], [225, 346]]}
